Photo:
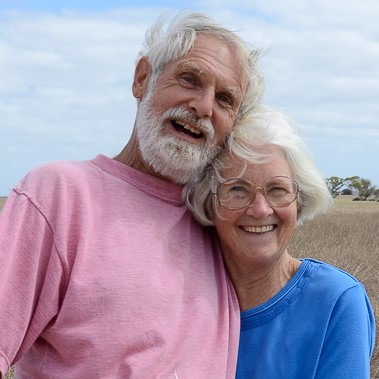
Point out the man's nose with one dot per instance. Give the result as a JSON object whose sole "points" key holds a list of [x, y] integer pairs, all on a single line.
{"points": [[203, 102]]}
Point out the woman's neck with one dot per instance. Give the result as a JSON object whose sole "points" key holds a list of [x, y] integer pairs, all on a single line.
{"points": [[256, 284]]}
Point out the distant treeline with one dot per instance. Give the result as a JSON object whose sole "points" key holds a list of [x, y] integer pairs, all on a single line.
{"points": [[361, 188]]}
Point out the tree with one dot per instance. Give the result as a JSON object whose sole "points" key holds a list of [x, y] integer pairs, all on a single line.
{"points": [[362, 187], [354, 184], [367, 189], [346, 191], [335, 184]]}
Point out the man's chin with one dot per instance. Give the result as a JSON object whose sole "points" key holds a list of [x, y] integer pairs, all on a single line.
{"points": [[174, 159]]}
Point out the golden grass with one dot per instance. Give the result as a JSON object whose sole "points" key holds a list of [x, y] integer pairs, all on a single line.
{"points": [[2, 201], [347, 237], [9, 375]]}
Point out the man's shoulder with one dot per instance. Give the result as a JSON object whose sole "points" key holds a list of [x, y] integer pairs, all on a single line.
{"points": [[56, 179], [58, 172], [57, 169]]}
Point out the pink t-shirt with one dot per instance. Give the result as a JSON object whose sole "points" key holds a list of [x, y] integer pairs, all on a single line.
{"points": [[104, 274]]}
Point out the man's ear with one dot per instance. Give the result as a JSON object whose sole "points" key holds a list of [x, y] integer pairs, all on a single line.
{"points": [[141, 78]]}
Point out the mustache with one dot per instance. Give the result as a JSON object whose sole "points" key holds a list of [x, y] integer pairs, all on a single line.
{"points": [[185, 115]]}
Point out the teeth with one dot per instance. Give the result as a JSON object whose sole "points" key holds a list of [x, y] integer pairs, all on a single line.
{"points": [[258, 229], [190, 128]]}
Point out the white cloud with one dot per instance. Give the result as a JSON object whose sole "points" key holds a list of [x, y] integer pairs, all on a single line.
{"points": [[66, 78], [64, 70]]}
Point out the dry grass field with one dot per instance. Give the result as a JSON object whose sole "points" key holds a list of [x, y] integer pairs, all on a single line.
{"points": [[347, 237], [2, 201]]}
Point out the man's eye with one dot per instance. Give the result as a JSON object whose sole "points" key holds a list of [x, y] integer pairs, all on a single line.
{"points": [[225, 99], [187, 80]]}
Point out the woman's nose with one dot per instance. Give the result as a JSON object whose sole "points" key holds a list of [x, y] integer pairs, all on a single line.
{"points": [[259, 207]]}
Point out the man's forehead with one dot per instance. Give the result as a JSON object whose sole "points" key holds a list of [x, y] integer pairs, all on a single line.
{"points": [[190, 64]]}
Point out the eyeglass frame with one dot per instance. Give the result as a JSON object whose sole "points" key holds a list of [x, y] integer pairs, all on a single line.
{"points": [[254, 192]]}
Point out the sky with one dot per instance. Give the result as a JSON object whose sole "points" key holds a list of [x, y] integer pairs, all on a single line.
{"points": [[66, 70]]}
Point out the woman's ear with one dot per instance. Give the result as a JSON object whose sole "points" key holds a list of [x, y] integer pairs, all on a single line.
{"points": [[141, 78], [210, 207], [299, 209]]}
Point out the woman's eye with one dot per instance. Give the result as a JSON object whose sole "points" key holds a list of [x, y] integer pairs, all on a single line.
{"points": [[278, 191], [239, 191]]}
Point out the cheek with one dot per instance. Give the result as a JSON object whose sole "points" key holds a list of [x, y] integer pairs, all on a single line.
{"points": [[228, 236], [225, 222], [223, 125], [288, 219], [164, 95], [158, 104], [223, 228]]}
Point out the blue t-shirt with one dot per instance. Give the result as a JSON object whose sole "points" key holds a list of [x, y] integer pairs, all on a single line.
{"points": [[320, 325]]}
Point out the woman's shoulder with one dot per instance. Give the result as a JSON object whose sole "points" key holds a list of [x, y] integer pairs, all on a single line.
{"points": [[327, 276]]}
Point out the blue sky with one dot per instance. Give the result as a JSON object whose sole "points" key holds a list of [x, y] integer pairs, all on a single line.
{"points": [[91, 6], [66, 70]]}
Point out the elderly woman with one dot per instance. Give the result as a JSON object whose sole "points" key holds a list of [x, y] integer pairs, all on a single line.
{"points": [[300, 318]]}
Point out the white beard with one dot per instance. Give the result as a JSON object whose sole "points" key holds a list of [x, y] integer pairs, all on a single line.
{"points": [[170, 156]]}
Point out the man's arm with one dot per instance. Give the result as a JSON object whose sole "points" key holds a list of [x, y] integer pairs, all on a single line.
{"points": [[27, 281]]}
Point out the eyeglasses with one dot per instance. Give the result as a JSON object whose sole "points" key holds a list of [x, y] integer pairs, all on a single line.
{"points": [[237, 193]]}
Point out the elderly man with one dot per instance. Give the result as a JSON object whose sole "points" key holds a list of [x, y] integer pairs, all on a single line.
{"points": [[103, 271]]}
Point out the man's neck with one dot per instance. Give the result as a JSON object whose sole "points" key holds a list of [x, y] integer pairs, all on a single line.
{"points": [[131, 155]]}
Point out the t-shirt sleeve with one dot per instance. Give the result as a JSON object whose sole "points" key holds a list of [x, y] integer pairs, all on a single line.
{"points": [[350, 338], [30, 277]]}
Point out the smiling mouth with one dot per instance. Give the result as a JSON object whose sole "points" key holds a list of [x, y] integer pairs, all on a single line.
{"points": [[191, 131], [258, 229]]}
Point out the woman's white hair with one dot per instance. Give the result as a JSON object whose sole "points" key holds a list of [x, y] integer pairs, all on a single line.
{"points": [[265, 126], [166, 42]]}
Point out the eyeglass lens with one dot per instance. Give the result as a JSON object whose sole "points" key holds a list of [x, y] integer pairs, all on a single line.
{"points": [[278, 191]]}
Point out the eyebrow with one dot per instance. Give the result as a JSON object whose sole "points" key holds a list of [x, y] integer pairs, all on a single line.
{"points": [[189, 65]]}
